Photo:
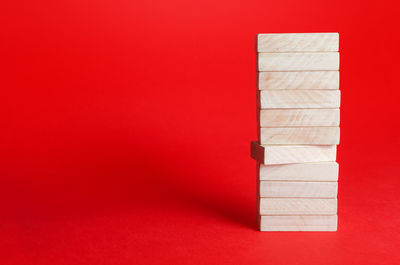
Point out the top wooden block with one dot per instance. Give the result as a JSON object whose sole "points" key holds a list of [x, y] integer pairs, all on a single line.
{"points": [[298, 42]]}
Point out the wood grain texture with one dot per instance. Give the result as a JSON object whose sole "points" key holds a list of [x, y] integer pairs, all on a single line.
{"points": [[299, 117], [298, 223], [297, 206], [298, 80], [301, 99], [289, 154], [294, 189], [321, 171], [298, 42], [318, 61], [258, 192], [300, 135]]}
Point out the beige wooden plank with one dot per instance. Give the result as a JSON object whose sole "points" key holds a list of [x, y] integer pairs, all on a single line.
{"points": [[298, 42], [298, 223], [299, 117], [318, 61], [258, 192], [300, 135], [289, 154], [301, 99], [298, 206], [320, 171], [294, 189], [298, 80]]}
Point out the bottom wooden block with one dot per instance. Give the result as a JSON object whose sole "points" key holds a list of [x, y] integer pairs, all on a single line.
{"points": [[298, 223]]}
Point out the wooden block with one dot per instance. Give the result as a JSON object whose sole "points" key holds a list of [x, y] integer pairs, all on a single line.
{"points": [[301, 99], [298, 80], [288, 154], [298, 42], [296, 206], [258, 192], [300, 135], [298, 223], [321, 171], [319, 61], [294, 189], [299, 117]]}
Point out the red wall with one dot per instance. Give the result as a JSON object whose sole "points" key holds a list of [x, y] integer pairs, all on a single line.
{"points": [[126, 128]]}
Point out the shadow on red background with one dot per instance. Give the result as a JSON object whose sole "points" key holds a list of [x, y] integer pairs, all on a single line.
{"points": [[126, 131]]}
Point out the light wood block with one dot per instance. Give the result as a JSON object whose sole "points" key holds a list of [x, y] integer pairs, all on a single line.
{"points": [[298, 80], [321, 171], [288, 154], [300, 135], [301, 99], [293, 189], [296, 206], [299, 117], [298, 42], [319, 61], [298, 223]]}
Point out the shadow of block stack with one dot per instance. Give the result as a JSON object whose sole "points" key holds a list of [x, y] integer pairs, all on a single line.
{"points": [[298, 130]]}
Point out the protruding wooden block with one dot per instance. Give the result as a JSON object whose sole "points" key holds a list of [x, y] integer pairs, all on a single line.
{"points": [[300, 135], [298, 223], [296, 206], [298, 61], [299, 117], [288, 154], [298, 189], [320, 171], [300, 99], [298, 80], [298, 42]]}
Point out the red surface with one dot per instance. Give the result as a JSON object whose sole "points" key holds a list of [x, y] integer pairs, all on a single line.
{"points": [[126, 129]]}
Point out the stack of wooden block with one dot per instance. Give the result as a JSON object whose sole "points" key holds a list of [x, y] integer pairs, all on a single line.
{"points": [[298, 131]]}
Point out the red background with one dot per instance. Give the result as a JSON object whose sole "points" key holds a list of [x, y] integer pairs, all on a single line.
{"points": [[126, 128]]}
